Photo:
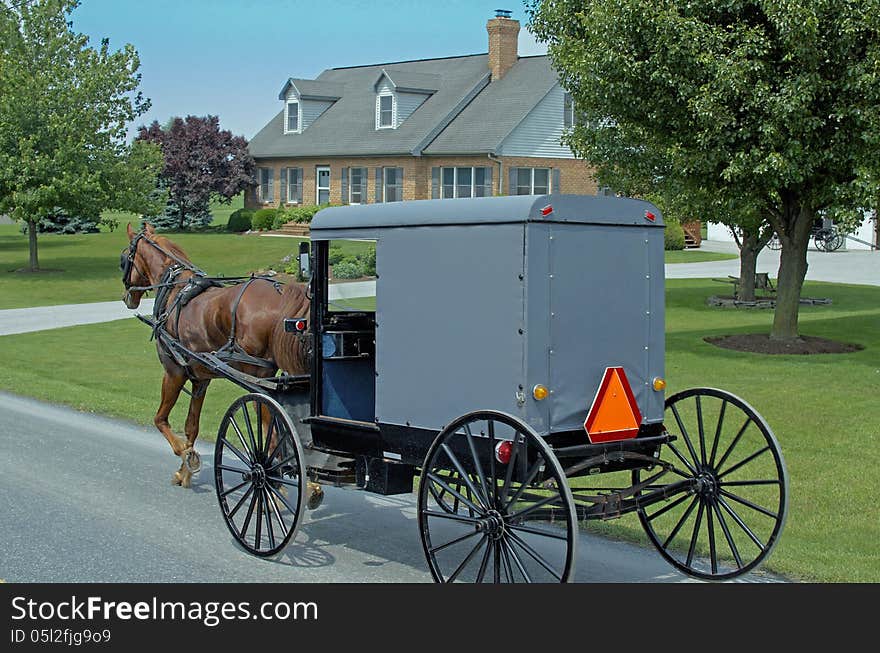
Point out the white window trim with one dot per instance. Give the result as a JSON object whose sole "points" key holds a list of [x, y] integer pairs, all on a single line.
{"points": [[385, 184], [363, 185], [318, 188], [269, 183], [298, 116], [573, 112], [393, 124], [532, 179], [455, 181], [291, 188]]}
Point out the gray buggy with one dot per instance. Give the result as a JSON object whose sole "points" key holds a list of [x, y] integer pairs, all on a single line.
{"points": [[514, 365]]}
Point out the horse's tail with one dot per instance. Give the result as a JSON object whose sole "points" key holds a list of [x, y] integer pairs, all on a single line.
{"points": [[290, 350]]}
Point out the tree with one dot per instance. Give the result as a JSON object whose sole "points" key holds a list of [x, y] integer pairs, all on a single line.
{"points": [[64, 107], [776, 103], [202, 162]]}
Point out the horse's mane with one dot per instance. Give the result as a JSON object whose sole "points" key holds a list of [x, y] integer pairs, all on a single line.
{"points": [[172, 247]]}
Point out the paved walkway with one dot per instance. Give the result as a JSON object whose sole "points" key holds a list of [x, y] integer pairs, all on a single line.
{"points": [[857, 266]]}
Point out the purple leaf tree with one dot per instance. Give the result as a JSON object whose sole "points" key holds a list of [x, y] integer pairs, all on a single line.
{"points": [[202, 162]]}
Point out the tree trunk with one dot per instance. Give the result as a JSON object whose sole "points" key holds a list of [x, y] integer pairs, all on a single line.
{"points": [[748, 263], [182, 215], [790, 280], [34, 262]]}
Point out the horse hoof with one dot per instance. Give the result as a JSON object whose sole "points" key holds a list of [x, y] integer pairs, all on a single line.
{"points": [[176, 480], [316, 497], [192, 461], [186, 481]]}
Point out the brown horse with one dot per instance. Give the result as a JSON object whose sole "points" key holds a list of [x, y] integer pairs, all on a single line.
{"points": [[253, 314]]}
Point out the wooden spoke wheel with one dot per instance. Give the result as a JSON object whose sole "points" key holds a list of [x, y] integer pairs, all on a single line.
{"points": [[259, 474], [494, 504], [730, 518]]}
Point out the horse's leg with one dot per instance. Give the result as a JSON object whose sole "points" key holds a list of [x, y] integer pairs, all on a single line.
{"points": [[191, 462], [171, 387]]}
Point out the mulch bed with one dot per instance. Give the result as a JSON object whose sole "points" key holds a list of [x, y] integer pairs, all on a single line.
{"points": [[760, 343]]}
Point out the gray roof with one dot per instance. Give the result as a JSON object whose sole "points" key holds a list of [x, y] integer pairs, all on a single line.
{"points": [[494, 113], [406, 81], [465, 115], [582, 209], [310, 89]]}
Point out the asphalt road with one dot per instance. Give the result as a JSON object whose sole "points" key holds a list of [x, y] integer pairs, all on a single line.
{"points": [[89, 499]]}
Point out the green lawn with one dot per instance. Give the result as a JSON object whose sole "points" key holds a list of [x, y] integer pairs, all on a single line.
{"points": [[696, 256], [822, 408], [219, 211], [89, 263]]}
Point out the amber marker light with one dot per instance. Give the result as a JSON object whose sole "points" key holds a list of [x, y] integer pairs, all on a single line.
{"points": [[659, 384], [540, 392]]}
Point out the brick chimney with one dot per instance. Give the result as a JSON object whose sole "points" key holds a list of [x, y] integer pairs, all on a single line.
{"points": [[503, 33]]}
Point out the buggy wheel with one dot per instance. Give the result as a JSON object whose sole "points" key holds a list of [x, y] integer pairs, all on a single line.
{"points": [[774, 243], [834, 241], [259, 474], [730, 519], [494, 504]]}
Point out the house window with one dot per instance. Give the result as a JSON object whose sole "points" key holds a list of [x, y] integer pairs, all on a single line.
{"points": [[292, 124], [322, 184], [532, 181], [385, 111], [568, 119], [357, 185], [465, 182], [392, 185], [294, 185], [265, 190]]}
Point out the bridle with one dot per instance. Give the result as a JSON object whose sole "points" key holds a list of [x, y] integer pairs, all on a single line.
{"points": [[127, 262]]}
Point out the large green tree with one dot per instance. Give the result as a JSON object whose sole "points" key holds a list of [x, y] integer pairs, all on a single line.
{"points": [[64, 110], [774, 103]]}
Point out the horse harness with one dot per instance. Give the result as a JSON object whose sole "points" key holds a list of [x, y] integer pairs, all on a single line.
{"points": [[195, 285]]}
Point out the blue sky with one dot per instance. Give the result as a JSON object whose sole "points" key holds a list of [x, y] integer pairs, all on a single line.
{"points": [[231, 57]]}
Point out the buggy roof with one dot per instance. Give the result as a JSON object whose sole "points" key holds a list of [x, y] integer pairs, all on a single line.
{"points": [[577, 209]]}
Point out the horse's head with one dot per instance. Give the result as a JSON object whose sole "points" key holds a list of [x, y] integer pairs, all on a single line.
{"points": [[132, 262]]}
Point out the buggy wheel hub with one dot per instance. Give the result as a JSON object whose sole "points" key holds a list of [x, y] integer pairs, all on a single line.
{"points": [[257, 475], [706, 485], [492, 524]]}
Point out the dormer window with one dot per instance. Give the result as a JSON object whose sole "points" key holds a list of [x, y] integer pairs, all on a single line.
{"points": [[385, 112], [291, 123]]}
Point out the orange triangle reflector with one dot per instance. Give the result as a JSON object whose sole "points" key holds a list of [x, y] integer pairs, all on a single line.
{"points": [[614, 415]]}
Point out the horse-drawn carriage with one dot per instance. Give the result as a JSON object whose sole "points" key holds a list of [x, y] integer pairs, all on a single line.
{"points": [[513, 367]]}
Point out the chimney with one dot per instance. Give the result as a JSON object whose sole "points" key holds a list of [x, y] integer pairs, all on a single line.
{"points": [[503, 33]]}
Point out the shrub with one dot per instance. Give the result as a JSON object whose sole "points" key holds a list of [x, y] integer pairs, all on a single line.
{"points": [[368, 261], [240, 220], [348, 268], [335, 255], [281, 219], [263, 219], [673, 236], [63, 223]]}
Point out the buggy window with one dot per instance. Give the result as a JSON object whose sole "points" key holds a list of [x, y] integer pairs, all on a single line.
{"points": [[351, 276]]}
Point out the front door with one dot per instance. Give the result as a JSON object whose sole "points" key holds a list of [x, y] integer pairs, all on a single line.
{"points": [[322, 190]]}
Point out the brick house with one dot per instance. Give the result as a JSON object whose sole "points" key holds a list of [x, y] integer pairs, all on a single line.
{"points": [[474, 125]]}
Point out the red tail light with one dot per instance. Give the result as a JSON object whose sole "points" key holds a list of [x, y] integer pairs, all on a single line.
{"points": [[503, 450]]}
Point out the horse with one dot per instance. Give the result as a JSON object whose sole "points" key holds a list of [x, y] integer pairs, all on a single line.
{"points": [[246, 318]]}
